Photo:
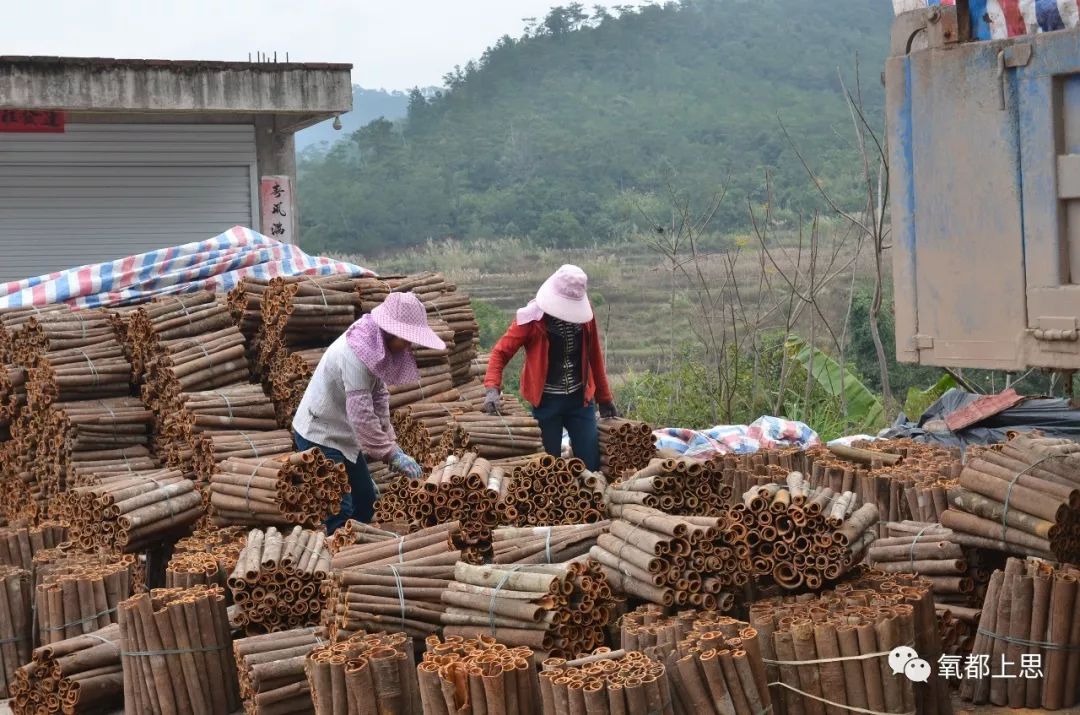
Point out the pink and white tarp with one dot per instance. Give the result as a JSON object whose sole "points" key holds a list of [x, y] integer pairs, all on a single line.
{"points": [[216, 264], [764, 433]]}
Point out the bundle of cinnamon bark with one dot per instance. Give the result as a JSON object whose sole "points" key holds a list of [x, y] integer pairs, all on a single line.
{"points": [[12, 394], [495, 436], [548, 491], [303, 311], [300, 488], [82, 674], [545, 544], [368, 673], [605, 681], [62, 330], [957, 626], [79, 593], [297, 318], [559, 609], [14, 320], [421, 428], [16, 623], [177, 652], [425, 429], [430, 546], [291, 320], [228, 409], [354, 532], [1023, 499], [479, 365], [131, 512], [625, 446], [86, 373], [390, 581], [276, 580], [381, 474], [477, 676], [387, 596], [53, 447], [456, 311], [271, 670], [466, 490], [931, 551], [176, 323], [21, 498], [287, 379], [904, 478], [714, 662], [206, 557], [211, 449], [18, 544], [244, 302], [676, 486], [1031, 613], [675, 560], [835, 648], [803, 536]]}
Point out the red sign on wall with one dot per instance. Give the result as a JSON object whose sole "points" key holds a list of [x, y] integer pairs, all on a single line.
{"points": [[26, 120]]}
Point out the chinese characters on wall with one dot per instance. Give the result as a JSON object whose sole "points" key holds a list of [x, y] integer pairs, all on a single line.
{"points": [[25, 120], [276, 200]]}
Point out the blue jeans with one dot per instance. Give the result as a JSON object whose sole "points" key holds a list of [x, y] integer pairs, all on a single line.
{"points": [[557, 412], [359, 504]]}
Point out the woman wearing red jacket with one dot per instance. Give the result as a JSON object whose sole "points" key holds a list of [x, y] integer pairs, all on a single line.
{"points": [[564, 376]]}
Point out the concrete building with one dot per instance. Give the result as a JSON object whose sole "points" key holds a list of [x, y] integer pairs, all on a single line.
{"points": [[102, 158]]}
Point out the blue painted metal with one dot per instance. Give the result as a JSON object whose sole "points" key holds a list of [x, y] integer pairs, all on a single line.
{"points": [[956, 208], [984, 151]]}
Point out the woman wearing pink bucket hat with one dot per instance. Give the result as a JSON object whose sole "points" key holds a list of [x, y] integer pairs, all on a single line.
{"points": [[564, 365], [345, 411]]}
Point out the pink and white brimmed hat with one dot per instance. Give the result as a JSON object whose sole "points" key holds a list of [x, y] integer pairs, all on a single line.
{"points": [[404, 316], [563, 295]]}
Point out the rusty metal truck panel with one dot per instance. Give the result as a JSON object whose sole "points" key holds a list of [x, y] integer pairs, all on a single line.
{"points": [[984, 151]]}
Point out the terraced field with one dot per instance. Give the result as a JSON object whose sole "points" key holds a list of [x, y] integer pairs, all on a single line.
{"points": [[631, 288]]}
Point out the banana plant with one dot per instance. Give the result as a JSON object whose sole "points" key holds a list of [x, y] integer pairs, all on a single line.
{"points": [[864, 408]]}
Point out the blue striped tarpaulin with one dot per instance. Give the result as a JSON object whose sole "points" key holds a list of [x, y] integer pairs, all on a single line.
{"points": [[217, 264]]}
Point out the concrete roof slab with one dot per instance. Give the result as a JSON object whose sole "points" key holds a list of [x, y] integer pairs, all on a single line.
{"points": [[101, 84]]}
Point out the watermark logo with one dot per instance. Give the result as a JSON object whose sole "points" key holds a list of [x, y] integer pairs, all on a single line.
{"points": [[905, 661]]}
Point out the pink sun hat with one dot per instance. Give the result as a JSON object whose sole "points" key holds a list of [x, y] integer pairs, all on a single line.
{"points": [[564, 296], [404, 316]]}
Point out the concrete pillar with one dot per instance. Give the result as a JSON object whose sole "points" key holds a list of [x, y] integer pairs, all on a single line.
{"points": [[275, 154]]}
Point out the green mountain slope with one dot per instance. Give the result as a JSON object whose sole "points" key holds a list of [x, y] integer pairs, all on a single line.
{"points": [[564, 134]]}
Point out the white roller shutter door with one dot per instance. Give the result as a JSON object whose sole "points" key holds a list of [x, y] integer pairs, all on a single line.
{"points": [[100, 192]]}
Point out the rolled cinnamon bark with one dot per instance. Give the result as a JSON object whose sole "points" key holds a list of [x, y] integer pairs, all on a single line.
{"points": [[1062, 597]]}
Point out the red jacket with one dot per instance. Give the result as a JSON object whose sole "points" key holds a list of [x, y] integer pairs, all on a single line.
{"points": [[535, 339]]}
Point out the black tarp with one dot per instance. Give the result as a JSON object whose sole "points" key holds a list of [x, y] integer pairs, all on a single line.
{"points": [[1050, 415]]}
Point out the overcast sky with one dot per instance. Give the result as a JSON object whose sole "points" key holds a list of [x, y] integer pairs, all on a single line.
{"points": [[392, 44]]}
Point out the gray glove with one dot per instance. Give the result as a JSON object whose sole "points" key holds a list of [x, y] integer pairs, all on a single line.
{"points": [[608, 410], [491, 401]]}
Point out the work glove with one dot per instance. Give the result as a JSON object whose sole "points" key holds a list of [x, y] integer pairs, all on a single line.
{"points": [[404, 464], [608, 410], [491, 401]]}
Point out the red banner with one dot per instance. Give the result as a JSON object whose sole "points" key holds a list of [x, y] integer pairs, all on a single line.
{"points": [[26, 120]]}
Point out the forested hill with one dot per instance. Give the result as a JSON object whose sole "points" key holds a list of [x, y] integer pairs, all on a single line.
{"points": [[368, 104], [563, 134]]}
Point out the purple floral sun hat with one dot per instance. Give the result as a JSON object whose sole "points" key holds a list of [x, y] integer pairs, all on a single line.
{"points": [[404, 316]]}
